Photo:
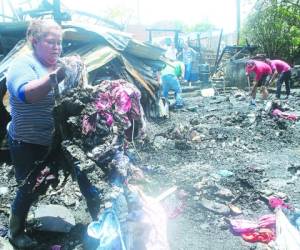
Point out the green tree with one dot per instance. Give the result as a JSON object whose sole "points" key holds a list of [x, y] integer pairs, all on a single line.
{"points": [[274, 26], [120, 14], [170, 24], [204, 26]]}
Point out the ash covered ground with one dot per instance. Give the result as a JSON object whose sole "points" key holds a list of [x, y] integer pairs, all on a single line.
{"points": [[218, 150]]}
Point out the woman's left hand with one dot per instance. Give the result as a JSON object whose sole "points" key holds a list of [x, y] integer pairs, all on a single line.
{"points": [[61, 73]]}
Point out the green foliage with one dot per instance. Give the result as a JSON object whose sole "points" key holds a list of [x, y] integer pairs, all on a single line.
{"points": [[179, 25], [204, 26], [274, 25], [119, 13], [170, 24]]}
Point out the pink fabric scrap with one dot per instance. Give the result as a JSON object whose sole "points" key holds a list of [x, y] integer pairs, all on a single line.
{"points": [[88, 124], [56, 247], [267, 221], [243, 226], [275, 202], [177, 210], [263, 231], [284, 115], [43, 177], [104, 102], [264, 235], [109, 118], [122, 101]]}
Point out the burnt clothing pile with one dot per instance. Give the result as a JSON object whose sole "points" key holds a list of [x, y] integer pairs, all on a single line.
{"points": [[94, 123], [119, 103]]}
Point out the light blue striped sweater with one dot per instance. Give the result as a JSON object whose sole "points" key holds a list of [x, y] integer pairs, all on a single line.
{"points": [[31, 123]]}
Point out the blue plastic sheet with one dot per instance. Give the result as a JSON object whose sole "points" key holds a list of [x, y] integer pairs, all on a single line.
{"points": [[134, 221], [108, 231]]}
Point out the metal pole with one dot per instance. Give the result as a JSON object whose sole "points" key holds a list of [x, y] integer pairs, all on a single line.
{"points": [[56, 11], [218, 50], [176, 40], [238, 21], [2, 10], [138, 11]]}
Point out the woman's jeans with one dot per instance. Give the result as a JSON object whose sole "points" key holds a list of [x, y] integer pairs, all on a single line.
{"points": [[24, 157]]}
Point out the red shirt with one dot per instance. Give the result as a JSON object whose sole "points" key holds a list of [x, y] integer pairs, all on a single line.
{"points": [[260, 68], [280, 66]]}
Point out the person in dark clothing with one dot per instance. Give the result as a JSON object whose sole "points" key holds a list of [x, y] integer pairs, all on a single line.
{"points": [[283, 69], [31, 80]]}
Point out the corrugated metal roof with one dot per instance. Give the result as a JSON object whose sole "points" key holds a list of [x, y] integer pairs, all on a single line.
{"points": [[118, 39], [98, 46], [95, 56], [121, 41]]}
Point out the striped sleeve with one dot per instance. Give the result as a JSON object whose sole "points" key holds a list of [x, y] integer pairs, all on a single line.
{"points": [[19, 74]]}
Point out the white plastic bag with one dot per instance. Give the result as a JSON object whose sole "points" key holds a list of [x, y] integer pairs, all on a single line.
{"points": [[287, 236]]}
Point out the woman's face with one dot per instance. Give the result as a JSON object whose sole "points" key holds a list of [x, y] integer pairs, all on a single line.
{"points": [[48, 48]]}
